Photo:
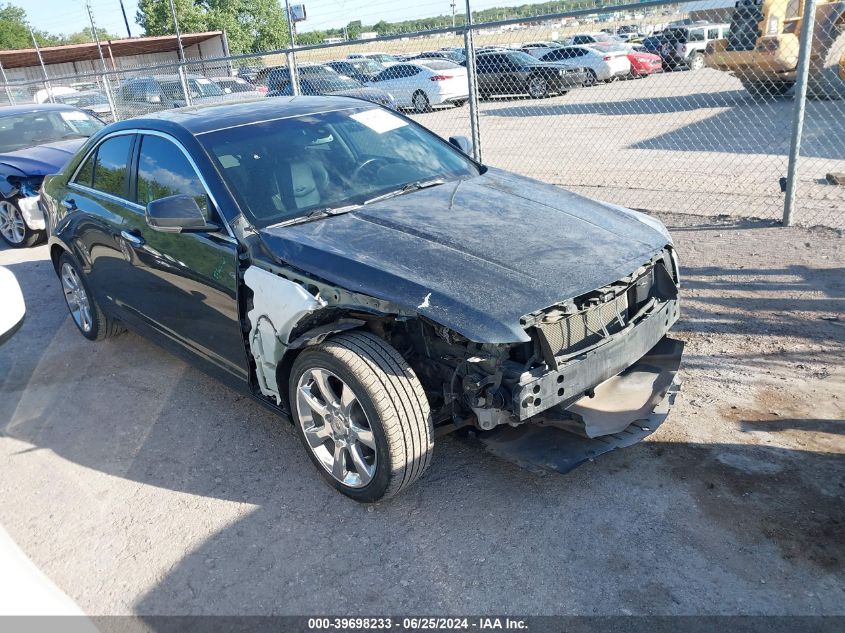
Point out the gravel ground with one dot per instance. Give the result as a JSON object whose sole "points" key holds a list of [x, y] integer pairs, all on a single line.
{"points": [[139, 485]]}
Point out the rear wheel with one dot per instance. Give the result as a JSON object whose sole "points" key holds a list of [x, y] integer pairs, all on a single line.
{"points": [[591, 78], [13, 228], [362, 415], [420, 102], [91, 321]]}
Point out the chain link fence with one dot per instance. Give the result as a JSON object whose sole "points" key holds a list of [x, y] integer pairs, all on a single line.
{"points": [[736, 110]]}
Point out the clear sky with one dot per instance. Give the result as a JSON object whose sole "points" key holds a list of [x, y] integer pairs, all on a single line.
{"points": [[68, 16]]}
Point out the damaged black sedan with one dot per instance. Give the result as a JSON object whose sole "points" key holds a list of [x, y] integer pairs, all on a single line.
{"points": [[369, 280]]}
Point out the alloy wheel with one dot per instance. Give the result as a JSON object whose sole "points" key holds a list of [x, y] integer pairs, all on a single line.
{"points": [[537, 87], [336, 427], [12, 225], [76, 298]]}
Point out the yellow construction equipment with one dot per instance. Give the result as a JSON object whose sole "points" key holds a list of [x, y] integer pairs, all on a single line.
{"points": [[762, 47]]}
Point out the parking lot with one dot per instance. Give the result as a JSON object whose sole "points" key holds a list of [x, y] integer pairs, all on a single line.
{"points": [[690, 142], [139, 485]]}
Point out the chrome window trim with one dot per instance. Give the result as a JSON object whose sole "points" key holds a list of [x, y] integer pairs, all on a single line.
{"points": [[71, 182], [103, 194]]}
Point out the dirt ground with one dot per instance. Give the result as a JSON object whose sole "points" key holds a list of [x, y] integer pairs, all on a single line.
{"points": [[139, 485]]}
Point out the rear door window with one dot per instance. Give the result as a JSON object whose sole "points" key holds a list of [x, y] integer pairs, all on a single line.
{"points": [[111, 165]]}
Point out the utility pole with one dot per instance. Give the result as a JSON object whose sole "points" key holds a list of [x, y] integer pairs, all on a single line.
{"points": [[294, 74], [182, 78], [106, 84], [453, 5], [125, 20], [47, 85]]}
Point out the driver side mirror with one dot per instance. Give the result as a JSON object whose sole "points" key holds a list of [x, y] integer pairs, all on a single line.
{"points": [[462, 143], [178, 214]]}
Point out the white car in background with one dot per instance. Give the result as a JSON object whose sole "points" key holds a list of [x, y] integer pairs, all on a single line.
{"points": [[424, 83], [601, 65], [382, 58]]}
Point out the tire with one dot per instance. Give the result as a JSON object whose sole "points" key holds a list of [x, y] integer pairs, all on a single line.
{"points": [[13, 228], [420, 102], [537, 87], [460, 103], [591, 79], [384, 441], [696, 61], [824, 81], [764, 90], [92, 323]]}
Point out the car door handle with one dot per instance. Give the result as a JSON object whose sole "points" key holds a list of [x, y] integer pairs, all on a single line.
{"points": [[69, 204], [132, 237]]}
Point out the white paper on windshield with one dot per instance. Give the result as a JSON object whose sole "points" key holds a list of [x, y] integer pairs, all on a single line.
{"points": [[72, 115], [379, 121]]}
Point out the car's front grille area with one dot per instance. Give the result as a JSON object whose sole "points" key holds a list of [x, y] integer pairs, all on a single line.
{"points": [[587, 327], [570, 329]]}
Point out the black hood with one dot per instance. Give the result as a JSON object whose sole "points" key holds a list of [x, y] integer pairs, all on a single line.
{"points": [[474, 255]]}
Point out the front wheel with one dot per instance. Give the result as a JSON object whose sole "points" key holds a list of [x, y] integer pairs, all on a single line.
{"points": [[538, 87], [13, 228], [696, 62], [362, 415]]}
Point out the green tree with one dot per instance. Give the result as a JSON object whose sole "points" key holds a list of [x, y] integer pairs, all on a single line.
{"points": [[14, 32], [250, 25]]}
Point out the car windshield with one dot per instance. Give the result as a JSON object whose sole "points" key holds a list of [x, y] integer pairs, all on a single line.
{"points": [[519, 57], [199, 88], [285, 169], [20, 131], [366, 66], [439, 64], [83, 100]]}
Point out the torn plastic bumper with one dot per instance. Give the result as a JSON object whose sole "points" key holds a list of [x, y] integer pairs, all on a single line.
{"points": [[625, 409]]}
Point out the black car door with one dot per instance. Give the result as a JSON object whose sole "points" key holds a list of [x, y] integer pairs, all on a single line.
{"points": [[487, 67], [184, 285], [100, 191]]}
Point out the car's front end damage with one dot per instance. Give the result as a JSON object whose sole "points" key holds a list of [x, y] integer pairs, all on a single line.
{"points": [[596, 372]]}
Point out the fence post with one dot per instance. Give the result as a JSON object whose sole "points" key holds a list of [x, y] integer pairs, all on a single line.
{"points": [[182, 79], [807, 22], [6, 85], [472, 84], [47, 85], [294, 73], [106, 85]]}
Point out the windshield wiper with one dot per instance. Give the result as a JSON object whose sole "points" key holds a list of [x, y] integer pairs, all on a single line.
{"points": [[315, 214], [408, 188]]}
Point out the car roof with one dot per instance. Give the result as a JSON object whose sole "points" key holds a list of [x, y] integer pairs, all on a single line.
{"points": [[208, 118], [12, 110]]}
